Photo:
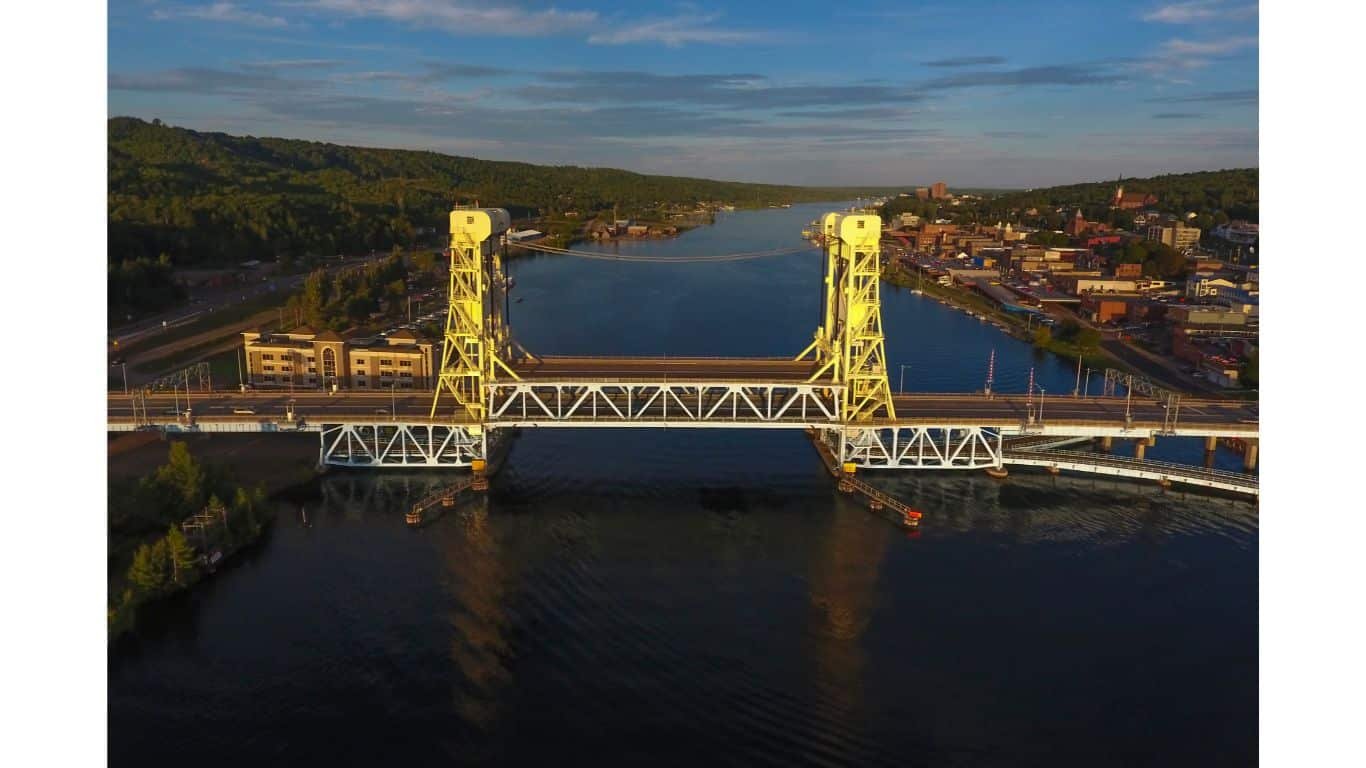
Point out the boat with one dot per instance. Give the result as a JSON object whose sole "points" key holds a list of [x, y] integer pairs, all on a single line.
{"points": [[911, 518]]}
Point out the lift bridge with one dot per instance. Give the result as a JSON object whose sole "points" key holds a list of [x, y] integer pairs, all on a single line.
{"points": [[836, 389]]}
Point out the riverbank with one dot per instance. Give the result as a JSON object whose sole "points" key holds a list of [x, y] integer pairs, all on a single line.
{"points": [[1009, 323], [175, 522]]}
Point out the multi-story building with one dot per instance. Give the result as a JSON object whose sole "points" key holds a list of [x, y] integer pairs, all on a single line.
{"points": [[303, 358], [922, 193], [1176, 235], [939, 191]]}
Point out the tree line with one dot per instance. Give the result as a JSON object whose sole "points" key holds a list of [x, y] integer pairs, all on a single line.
{"points": [[149, 553], [1215, 197], [215, 199]]}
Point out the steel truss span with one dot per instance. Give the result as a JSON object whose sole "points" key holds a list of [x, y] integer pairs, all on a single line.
{"points": [[400, 445], [920, 447], [659, 403]]}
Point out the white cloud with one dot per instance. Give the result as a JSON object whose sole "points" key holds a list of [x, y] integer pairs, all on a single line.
{"points": [[1198, 11], [1178, 47], [228, 13], [461, 16], [672, 32]]}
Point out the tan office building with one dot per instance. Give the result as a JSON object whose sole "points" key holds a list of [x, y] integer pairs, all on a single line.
{"points": [[305, 359], [1178, 236]]}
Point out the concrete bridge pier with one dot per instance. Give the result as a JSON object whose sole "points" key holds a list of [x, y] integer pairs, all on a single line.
{"points": [[1211, 443], [1141, 446], [1250, 455], [1107, 444]]}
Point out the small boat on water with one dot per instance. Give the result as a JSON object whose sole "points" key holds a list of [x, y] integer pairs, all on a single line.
{"points": [[911, 518]]}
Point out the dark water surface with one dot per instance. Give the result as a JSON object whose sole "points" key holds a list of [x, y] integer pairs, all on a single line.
{"points": [[683, 597]]}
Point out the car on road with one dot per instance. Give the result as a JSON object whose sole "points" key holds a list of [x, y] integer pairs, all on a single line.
{"points": [[244, 411]]}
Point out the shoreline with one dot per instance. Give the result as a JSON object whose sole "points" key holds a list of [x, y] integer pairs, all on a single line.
{"points": [[272, 464]]}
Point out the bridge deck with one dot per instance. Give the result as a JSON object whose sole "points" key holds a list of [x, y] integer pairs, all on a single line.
{"points": [[1063, 414], [626, 369]]}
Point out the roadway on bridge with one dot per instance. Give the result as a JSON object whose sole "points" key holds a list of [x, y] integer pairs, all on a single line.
{"points": [[1002, 409], [769, 369], [956, 408]]}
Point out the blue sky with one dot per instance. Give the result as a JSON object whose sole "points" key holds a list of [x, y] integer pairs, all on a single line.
{"points": [[876, 93]]}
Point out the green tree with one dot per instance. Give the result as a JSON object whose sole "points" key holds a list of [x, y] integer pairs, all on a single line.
{"points": [[1087, 339], [425, 261], [1135, 252], [150, 571], [182, 473], [181, 554], [1248, 371], [1170, 262], [1042, 336]]}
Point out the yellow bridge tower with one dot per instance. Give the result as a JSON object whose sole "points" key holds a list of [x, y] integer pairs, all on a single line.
{"points": [[849, 347], [478, 343]]}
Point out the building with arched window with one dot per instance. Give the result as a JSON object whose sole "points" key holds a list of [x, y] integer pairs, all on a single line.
{"points": [[304, 358]]}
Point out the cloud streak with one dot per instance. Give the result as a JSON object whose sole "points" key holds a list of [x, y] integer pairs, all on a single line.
{"points": [[966, 61], [461, 17], [1061, 74], [206, 81], [1248, 96], [673, 32], [1199, 11], [222, 12]]}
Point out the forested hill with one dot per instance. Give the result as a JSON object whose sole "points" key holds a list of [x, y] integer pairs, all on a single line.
{"points": [[205, 198], [1234, 192]]}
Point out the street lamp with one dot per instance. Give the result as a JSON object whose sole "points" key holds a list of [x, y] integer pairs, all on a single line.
{"points": [[393, 401], [1086, 388], [1042, 394], [901, 385], [124, 365]]}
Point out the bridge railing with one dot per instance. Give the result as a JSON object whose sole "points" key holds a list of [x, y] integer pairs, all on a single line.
{"points": [[1105, 460]]}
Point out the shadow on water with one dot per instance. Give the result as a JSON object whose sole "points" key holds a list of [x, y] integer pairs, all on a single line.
{"points": [[684, 597]]}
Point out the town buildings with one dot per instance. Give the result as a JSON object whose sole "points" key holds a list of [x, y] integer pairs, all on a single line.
{"points": [[1176, 235], [305, 359], [1132, 201]]}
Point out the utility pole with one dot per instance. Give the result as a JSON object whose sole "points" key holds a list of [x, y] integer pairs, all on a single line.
{"points": [[991, 371], [237, 359], [1029, 397], [393, 401], [1043, 394], [1128, 395], [1076, 390], [1086, 388]]}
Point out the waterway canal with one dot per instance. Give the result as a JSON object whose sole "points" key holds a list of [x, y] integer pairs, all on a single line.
{"points": [[684, 597]]}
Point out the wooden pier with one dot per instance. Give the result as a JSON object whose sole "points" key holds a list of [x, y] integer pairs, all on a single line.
{"points": [[443, 497]]}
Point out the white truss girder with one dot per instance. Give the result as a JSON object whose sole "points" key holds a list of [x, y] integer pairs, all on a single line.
{"points": [[921, 447], [399, 445], [659, 403]]}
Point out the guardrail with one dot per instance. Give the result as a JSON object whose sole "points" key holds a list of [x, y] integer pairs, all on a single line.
{"points": [[1137, 468]]}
